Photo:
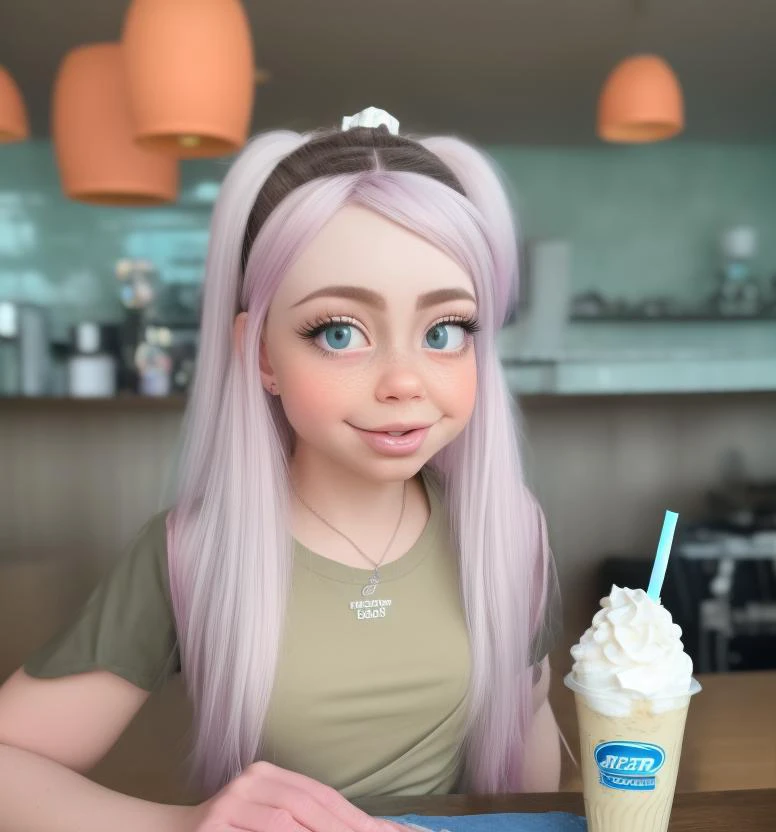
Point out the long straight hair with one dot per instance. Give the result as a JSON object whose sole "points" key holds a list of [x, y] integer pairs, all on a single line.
{"points": [[230, 548]]}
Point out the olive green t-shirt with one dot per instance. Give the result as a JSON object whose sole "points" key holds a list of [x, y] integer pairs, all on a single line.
{"points": [[370, 693]]}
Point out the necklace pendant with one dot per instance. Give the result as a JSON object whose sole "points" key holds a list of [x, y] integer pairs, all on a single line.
{"points": [[374, 580]]}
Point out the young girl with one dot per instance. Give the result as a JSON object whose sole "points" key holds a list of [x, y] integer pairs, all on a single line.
{"points": [[354, 580]]}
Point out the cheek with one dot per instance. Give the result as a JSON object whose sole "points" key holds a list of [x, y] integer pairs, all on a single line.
{"points": [[466, 389], [454, 388], [310, 400], [312, 392]]}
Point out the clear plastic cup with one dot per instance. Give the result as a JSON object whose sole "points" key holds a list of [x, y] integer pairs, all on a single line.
{"points": [[630, 751]]}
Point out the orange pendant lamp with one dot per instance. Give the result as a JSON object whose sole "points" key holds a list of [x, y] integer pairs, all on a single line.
{"points": [[641, 101], [13, 114], [190, 75], [92, 130]]}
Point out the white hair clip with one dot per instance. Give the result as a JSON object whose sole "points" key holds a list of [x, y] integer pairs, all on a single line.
{"points": [[371, 117]]}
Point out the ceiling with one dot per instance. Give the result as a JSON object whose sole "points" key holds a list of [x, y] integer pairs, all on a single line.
{"points": [[494, 71]]}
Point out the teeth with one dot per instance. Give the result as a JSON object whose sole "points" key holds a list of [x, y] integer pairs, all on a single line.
{"points": [[396, 432]]}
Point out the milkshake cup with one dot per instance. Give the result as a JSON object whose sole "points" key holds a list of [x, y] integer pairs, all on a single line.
{"points": [[632, 684]]}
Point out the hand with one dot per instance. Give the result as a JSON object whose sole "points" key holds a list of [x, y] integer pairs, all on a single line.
{"points": [[266, 798]]}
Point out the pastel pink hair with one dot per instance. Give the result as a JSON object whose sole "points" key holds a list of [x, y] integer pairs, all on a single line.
{"points": [[229, 545]]}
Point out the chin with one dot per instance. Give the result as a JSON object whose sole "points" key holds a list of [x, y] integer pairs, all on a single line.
{"points": [[392, 469]]}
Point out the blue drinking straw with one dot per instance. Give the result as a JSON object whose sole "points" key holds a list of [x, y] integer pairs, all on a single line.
{"points": [[661, 557]]}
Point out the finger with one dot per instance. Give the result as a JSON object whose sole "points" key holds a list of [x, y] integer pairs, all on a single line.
{"points": [[354, 819], [299, 805], [246, 816]]}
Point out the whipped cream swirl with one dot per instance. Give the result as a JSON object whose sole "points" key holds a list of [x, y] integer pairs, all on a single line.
{"points": [[632, 651]]}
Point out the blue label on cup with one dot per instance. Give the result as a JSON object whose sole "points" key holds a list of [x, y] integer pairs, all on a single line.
{"points": [[629, 765]]}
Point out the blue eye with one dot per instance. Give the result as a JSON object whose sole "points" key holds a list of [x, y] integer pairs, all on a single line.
{"points": [[339, 336], [334, 336], [444, 335]]}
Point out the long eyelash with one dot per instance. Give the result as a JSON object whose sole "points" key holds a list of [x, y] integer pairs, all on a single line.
{"points": [[313, 329], [468, 323]]}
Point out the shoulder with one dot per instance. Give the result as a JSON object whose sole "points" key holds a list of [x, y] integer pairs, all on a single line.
{"points": [[536, 527], [144, 562], [547, 607], [153, 536], [126, 625], [154, 532], [533, 505]]}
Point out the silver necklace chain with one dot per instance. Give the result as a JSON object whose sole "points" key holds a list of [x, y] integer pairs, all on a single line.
{"points": [[374, 578]]}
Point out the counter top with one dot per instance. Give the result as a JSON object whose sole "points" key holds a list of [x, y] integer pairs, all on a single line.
{"points": [[610, 375], [729, 741], [530, 382]]}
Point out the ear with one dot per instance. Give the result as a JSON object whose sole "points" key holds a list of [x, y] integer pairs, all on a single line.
{"points": [[268, 380]]}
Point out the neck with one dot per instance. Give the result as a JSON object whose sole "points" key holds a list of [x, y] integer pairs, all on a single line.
{"points": [[344, 497]]}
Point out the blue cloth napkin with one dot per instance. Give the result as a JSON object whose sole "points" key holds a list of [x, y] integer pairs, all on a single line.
{"points": [[504, 822]]}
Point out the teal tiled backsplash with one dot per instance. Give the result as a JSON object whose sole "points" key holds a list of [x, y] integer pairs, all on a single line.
{"points": [[63, 254], [645, 220], [641, 221]]}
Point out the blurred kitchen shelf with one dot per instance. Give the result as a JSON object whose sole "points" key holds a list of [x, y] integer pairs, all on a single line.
{"points": [[701, 317], [70, 403]]}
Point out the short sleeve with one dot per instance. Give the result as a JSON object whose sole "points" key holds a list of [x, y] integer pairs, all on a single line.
{"points": [[126, 626]]}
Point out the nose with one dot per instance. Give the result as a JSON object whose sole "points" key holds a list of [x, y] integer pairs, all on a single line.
{"points": [[399, 381]]}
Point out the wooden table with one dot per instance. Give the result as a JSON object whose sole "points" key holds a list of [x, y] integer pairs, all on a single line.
{"points": [[729, 742], [732, 811]]}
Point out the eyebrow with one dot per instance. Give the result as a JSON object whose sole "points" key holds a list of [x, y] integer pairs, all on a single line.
{"points": [[372, 298]]}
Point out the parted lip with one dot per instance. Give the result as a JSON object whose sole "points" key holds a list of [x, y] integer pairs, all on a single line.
{"points": [[395, 428]]}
